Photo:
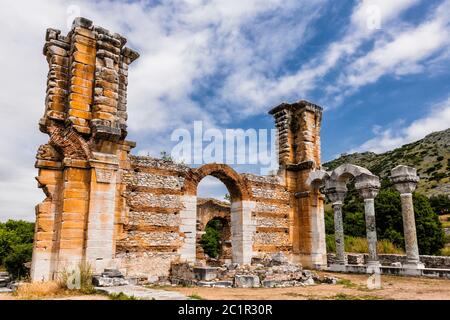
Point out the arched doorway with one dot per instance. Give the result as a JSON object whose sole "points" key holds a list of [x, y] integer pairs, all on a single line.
{"points": [[242, 223], [214, 245]]}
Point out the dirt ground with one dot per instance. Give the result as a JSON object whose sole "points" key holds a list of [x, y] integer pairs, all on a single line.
{"points": [[350, 287]]}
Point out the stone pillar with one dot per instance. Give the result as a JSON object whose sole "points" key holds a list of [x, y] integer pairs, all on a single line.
{"points": [[405, 181], [298, 125], [368, 187], [188, 227], [85, 118], [243, 228], [336, 192]]}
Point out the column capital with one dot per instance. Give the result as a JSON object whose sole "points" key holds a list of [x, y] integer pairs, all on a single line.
{"points": [[368, 186], [404, 179], [335, 190]]}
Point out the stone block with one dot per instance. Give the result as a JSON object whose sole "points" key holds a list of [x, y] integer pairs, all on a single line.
{"points": [[80, 114], [104, 116], [81, 98], [83, 48], [88, 59], [246, 281], [84, 32], [100, 281], [81, 106], [205, 273], [75, 205], [82, 130]]}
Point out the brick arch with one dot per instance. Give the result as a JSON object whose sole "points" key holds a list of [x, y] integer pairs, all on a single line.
{"points": [[236, 186]]}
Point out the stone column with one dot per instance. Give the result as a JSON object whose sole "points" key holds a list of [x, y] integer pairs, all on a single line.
{"points": [[188, 227], [243, 228], [405, 181], [368, 187], [336, 192]]}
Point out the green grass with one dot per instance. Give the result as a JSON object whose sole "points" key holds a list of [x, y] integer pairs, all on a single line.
{"points": [[445, 224], [121, 296], [343, 296], [445, 251], [359, 245], [195, 296], [346, 283]]}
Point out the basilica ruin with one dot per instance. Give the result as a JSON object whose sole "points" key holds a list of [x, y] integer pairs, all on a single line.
{"points": [[111, 209]]}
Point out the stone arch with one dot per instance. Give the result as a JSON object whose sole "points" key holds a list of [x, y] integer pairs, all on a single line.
{"points": [[243, 225], [347, 171], [232, 180], [317, 179]]}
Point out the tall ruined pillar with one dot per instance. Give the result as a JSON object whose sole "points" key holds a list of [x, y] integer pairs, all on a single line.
{"points": [[336, 192], [405, 181], [368, 187], [79, 169], [298, 126]]}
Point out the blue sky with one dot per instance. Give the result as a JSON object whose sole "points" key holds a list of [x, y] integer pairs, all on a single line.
{"points": [[378, 67]]}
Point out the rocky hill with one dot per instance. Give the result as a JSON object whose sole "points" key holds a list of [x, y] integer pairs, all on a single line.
{"points": [[430, 156]]}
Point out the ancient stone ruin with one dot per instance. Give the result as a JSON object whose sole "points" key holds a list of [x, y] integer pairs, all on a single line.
{"points": [[141, 215], [111, 209]]}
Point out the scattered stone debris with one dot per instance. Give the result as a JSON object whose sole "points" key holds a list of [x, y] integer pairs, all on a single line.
{"points": [[110, 278], [270, 271], [5, 279], [6, 283]]}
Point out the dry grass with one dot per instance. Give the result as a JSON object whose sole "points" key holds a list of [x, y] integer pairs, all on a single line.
{"points": [[40, 290]]}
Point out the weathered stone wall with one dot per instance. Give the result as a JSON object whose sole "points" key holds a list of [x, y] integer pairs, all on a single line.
{"points": [[271, 214], [154, 194]]}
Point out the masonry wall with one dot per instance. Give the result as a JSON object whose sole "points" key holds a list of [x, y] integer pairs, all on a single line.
{"points": [[152, 238], [272, 214]]}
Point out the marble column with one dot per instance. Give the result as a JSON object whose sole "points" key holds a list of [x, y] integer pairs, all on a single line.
{"points": [[405, 181], [368, 187], [336, 192]]}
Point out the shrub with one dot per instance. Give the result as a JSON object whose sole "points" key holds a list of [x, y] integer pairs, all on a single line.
{"points": [[78, 279]]}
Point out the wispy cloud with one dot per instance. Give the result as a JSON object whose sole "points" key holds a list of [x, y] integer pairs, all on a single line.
{"points": [[399, 133]]}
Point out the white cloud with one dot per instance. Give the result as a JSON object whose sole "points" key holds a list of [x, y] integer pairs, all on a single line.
{"points": [[400, 53], [256, 90], [397, 135], [211, 187]]}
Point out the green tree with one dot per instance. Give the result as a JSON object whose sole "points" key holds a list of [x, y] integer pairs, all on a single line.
{"points": [[440, 204], [430, 235], [211, 240], [16, 244]]}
